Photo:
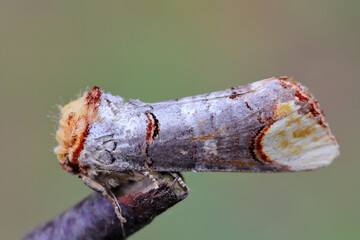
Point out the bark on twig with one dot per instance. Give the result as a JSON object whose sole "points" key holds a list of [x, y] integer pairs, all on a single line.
{"points": [[94, 217]]}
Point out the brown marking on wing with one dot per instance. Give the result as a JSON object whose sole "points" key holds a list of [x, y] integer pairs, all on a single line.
{"points": [[248, 106], [311, 106], [235, 95], [256, 148], [153, 127], [207, 136], [152, 131], [224, 162]]}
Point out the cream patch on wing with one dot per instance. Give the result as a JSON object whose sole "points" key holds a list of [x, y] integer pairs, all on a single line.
{"points": [[298, 141]]}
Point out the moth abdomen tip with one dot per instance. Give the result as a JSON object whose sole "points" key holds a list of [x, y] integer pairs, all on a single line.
{"points": [[298, 138]]}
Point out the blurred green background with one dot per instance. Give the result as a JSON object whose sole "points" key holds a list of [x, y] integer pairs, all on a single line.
{"points": [[50, 51]]}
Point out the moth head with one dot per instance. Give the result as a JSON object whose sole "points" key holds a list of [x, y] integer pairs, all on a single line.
{"points": [[74, 123]]}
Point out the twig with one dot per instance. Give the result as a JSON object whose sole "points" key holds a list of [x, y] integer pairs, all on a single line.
{"points": [[94, 217]]}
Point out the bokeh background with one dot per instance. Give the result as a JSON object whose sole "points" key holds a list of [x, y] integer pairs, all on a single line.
{"points": [[50, 51]]}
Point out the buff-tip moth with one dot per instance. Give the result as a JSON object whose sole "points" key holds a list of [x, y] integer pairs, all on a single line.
{"points": [[273, 125]]}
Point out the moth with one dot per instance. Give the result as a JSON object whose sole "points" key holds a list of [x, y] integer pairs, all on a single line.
{"points": [[273, 125]]}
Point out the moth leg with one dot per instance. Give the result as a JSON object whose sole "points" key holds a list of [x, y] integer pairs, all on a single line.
{"points": [[152, 178], [179, 179], [109, 195]]}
